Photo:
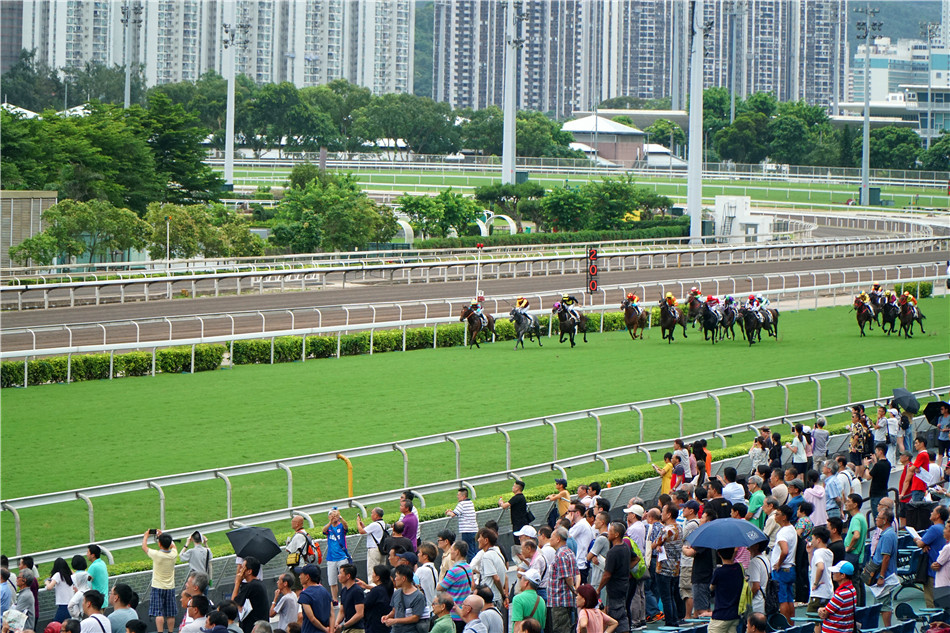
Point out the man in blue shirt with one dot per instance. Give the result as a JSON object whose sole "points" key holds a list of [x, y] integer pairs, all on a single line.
{"points": [[885, 554], [833, 489], [314, 602], [6, 591], [932, 541], [335, 531]]}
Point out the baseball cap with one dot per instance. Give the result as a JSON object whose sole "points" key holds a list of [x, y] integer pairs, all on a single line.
{"points": [[798, 483], [312, 571], [531, 575], [409, 557], [693, 505], [634, 509], [527, 530], [562, 481], [844, 567]]}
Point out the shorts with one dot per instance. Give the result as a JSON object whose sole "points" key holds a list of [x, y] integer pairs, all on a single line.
{"points": [[943, 446], [886, 599], [722, 626], [162, 603], [816, 603], [333, 571], [686, 583], [700, 597], [785, 582]]}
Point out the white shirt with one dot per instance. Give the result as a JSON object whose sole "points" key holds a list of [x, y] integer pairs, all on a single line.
{"points": [[96, 623], [63, 591], [734, 493], [583, 534], [935, 475], [825, 589], [880, 431], [374, 534], [790, 536], [549, 554], [196, 625], [845, 480], [637, 534], [893, 427]]}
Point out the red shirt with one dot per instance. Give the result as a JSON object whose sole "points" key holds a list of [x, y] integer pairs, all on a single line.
{"points": [[922, 463], [900, 486]]}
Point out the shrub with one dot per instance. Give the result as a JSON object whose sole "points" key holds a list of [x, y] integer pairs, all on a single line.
{"points": [[173, 360], [387, 341], [321, 346], [134, 364], [251, 352], [419, 338], [354, 344], [647, 229], [11, 373], [39, 372], [451, 335], [209, 357], [90, 367], [921, 289], [287, 349]]}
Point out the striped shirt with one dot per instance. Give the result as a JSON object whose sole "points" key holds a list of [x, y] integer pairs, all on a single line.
{"points": [[465, 511], [458, 584], [841, 610], [564, 568]]}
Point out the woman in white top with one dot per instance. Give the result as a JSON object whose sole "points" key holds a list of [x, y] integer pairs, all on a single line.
{"points": [[61, 581], [80, 586], [797, 447]]}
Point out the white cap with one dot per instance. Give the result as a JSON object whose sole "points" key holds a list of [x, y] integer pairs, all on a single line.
{"points": [[806, 429], [532, 575], [527, 530], [636, 509]]}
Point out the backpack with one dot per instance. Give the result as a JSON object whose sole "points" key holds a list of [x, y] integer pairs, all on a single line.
{"points": [[638, 564], [309, 553], [379, 545], [745, 595]]}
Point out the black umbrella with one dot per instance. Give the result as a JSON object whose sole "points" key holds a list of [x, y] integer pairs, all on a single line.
{"points": [[906, 400], [254, 541], [932, 411]]}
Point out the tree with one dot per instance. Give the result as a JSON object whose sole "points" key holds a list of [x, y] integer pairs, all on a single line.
{"points": [[891, 147], [636, 103], [537, 135], [425, 215], [746, 140], [762, 102], [937, 157], [189, 230], [484, 130], [661, 131], [458, 212], [565, 208], [506, 197], [97, 81], [716, 105], [175, 137], [30, 83], [340, 100], [302, 174], [788, 144], [623, 119], [809, 114]]}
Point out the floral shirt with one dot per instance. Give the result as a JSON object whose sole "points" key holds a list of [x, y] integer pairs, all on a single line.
{"points": [[859, 435], [806, 526], [672, 547]]}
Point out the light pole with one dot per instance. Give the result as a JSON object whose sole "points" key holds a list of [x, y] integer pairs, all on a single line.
{"points": [[128, 21], [931, 30], [694, 181], [508, 147], [231, 40], [864, 29]]}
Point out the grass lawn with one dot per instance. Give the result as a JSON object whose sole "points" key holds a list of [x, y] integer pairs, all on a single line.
{"points": [[60, 437]]}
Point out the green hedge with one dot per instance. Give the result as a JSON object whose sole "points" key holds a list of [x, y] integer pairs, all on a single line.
{"points": [[921, 290], [668, 227], [286, 349]]}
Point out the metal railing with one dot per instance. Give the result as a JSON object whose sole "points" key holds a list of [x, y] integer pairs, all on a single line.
{"points": [[368, 313], [471, 482]]}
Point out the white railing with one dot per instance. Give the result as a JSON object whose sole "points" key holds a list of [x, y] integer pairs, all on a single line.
{"points": [[454, 437]]}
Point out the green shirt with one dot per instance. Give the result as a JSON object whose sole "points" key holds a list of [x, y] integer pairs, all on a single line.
{"points": [[443, 625], [755, 503], [857, 524], [523, 605]]}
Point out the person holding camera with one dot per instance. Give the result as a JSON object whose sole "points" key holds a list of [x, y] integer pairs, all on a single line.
{"points": [[162, 604], [199, 556]]}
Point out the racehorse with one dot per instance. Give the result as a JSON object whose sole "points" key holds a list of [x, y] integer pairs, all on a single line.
{"points": [[729, 318], [670, 317], [865, 314], [568, 325], [771, 325], [889, 314], [751, 326], [710, 321], [909, 314], [475, 326], [525, 324], [635, 318], [875, 302], [695, 310]]}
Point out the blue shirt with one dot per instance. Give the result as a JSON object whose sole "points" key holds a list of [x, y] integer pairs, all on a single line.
{"points": [[318, 598], [794, 502], [335, 543], [6, 597], [933, 537], [832, 492], [887, 544], [943, 423]]}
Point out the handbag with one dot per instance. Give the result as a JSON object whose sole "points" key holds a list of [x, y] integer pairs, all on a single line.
{"points": [[870, 573], [293, 559]]}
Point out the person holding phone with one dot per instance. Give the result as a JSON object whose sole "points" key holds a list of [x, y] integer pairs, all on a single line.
{"points": [[199, 556]]}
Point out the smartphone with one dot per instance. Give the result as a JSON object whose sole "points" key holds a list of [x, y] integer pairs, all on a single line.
{"points": [[153, 532]]}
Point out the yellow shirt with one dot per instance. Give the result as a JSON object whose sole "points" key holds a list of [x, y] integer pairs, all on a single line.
{"points": [[667, 474], [563, 500], [163, 567]]}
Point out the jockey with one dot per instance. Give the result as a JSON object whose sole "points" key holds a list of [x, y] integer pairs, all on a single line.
{"points": [[713, 304], [890, 297], [670, 300], [521, 305], [633, 300], [569, 302], [476, 307], [729, 301], [762, 305], [877, 294], [864, 298], [694, 293]]}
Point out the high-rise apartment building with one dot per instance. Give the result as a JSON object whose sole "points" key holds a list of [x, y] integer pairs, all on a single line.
{"points": [[576, 53], [306, 42]]}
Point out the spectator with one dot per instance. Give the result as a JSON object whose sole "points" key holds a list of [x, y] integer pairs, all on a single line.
{"points": [[803, 525], [468, 526], [822, 560], [161, 601], [517, 506], [61, 582], [335, 531], [98, 573], [795, 489], [442, 608], [458, 580], [599, 547], [854, 542], [490, 615], [838, 616], [80, 586], [583, 534], [671, 542], [377, 601], [932, 541], [585, 496], [561, 582], [757, 623], [732, 490], [775, 451], [26, 562], [885, 554], [124, 601], [216, 622], [95, 622], [665, 473], [820, 441], [895, 438], [921, 481], [198, 608], [299, 542], [757, 454], [397, 540], [314, 602], [410, 522], [758, 575], [690, 513], [783, 557], [756, 514], [446, 538], [25, 601], [943, 439], [375, 532], [904, 485], [427, 572], [350, 614], [230, 610], [284, 606], [798, 449], [528, 603], [716, 502], [814, 494], [616, 576], [262, 626], [199, 557], [834, 495], [471, 609], [590, 619], [859, 434], [249, 588], [770, 510], [778, 488], [727, 587], [492, 567], [7, 590], [836, 544]]}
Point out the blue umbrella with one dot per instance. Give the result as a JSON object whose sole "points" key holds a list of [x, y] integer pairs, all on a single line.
{"points": [[725, 533]]}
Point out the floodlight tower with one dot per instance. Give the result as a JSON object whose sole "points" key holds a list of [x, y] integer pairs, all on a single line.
{"points": [[694, 173], [512, 44], [864, 30], [234, 35]]}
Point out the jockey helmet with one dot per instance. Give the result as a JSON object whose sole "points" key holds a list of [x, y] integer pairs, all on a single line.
{"points": [[631, 296], [710, 299], [694, 290], [557, 305], [887, 293], [565, 296], [906, 293], [669, 295], [520, 298], [474, 302], [876, 286], [751, 297]]}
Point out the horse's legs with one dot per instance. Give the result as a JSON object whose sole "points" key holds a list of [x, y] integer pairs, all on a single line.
{"points": [[920, 322]]}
